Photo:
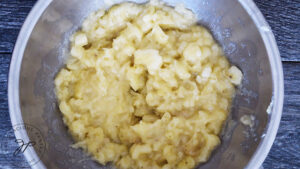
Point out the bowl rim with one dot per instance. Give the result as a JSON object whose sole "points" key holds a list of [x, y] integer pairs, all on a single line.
{"points": [[265, 31], [276, 105]]}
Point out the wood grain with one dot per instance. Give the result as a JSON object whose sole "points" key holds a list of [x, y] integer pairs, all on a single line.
{"points": [[7, 141], [285, 151], [12, 16], [282, 15], [284, 19]]}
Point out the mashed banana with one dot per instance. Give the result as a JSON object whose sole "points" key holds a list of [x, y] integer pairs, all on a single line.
{"points": [[146, 87]]}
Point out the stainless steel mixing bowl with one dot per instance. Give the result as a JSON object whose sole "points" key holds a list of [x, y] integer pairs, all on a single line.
{"points": [[239, 27]]}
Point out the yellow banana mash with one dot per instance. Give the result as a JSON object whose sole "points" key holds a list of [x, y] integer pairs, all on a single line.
{"points": [[146, 87]]}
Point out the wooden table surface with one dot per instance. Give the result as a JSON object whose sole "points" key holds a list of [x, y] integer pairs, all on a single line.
{"points": [[282, 15]]}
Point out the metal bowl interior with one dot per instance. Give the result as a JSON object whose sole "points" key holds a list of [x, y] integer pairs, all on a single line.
{"points": [[248, 42]]}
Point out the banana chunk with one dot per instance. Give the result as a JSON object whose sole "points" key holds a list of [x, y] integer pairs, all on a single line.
{"points": [[235, 75]]}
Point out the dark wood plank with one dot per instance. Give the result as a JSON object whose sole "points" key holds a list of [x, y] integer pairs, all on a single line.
{"points": [[285, 151], [13, 12], [4, 66], [12, 16], [284, 19], [282, 15], [7, 141], [7, 39]]}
